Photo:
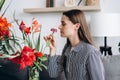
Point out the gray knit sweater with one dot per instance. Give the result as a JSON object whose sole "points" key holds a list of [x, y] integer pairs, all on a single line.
{"points": [[81, 63]]}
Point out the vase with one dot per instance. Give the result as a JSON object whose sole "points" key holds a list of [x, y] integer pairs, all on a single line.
{"points": [[34, 74]]}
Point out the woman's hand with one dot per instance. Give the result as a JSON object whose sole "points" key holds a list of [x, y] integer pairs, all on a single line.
{"points": [[52, 44]]}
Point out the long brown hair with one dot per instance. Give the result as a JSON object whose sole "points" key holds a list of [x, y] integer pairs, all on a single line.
{"points": [[77, 16]]}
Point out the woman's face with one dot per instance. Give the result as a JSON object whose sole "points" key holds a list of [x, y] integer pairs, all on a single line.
{"points": [[67, 28]]}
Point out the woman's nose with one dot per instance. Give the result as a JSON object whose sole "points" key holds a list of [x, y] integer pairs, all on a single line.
{"points": [[59, 27]]}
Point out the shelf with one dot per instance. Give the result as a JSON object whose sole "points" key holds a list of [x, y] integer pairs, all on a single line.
{"points": [[60, 9]]}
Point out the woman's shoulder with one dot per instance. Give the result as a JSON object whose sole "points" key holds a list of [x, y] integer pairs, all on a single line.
{"points": [[86, 50], [90, 48]]}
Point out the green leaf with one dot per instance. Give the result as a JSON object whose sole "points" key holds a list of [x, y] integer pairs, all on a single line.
{"points": [[41, 48], [29, 42], [17, 44], [16, 20], [4, 49], [44, 66], [15, 40], [33, 67], [1, 4], [43, 58], [38, 43], [6, 8], [8, 46], [36, 64], [0, 42]]}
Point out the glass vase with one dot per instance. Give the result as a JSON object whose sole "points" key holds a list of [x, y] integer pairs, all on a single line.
{"points": [[34, 74]]}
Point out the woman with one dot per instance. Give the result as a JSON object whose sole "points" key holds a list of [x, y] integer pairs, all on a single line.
{"points": [[80, 60]]}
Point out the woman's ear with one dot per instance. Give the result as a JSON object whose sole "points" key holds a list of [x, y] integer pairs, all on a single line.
{"points": [[77, 25]]}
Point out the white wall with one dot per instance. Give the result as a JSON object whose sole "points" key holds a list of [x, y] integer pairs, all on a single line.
{"points": [[49, 20], [110, 6]]}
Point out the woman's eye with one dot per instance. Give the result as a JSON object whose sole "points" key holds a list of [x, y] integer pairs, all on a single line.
{"points": [[63, 24]]}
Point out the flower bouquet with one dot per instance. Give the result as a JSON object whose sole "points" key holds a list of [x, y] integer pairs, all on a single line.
{"points": [[25, 50], [8, 70]]}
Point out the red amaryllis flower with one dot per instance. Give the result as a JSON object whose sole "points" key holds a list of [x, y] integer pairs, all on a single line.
{"points": [[27, 30], [5, 33], [4, 28], [27, 57], [38, 54], [36, 26], [22, 26], [4, 25]]}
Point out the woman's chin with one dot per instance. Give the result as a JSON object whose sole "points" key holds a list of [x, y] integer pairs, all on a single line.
{"points": [[62, 35]]}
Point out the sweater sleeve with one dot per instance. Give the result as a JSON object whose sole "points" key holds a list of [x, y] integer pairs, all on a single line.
{"points": [[95, 66], [55, 65]]}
